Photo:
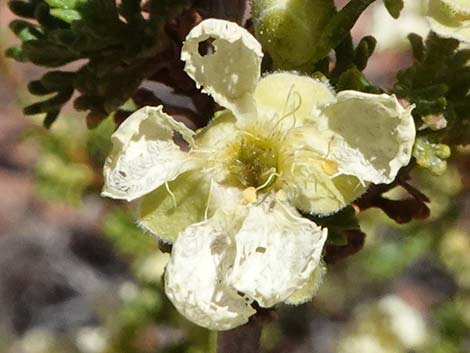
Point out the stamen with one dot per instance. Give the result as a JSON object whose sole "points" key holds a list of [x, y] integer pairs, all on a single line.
{"points": [[287, 99], [249, 134], [268, 181], [290, 113], [329, 167], [329, 148], [206, 211], [249, 195], [167, 187]]}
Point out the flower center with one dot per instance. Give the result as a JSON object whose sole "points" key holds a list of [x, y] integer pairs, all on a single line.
{"points": [[254, 161]]}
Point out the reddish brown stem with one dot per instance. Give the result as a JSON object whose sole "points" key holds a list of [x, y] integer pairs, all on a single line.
{"points": [[243, 339]]}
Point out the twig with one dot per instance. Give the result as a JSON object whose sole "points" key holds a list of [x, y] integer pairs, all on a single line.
{"points": [[243, 339]]}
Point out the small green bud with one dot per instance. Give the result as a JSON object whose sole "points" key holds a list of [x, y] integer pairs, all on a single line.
{"points": [[289, 30], [431, 155]]}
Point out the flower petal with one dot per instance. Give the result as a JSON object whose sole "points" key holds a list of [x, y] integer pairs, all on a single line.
{"points": [[373, 135], [277, 251], [310, 288], [282, 95], [144, 155], [168, 210], [218, 133], [230, 73], [311, 182], [462, 6], [450, 19], [194, 278], [191, 198]]}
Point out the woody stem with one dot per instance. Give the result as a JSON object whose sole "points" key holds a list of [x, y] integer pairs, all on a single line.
{"points": [[243, 339]]}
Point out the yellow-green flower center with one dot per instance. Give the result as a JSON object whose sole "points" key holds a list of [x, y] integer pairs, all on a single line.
{"points": [[254, 160]]}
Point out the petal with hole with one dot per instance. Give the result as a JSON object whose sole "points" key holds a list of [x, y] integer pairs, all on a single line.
{"points": [[144, 155], [230, 70], [195, 276], [277, 250]]}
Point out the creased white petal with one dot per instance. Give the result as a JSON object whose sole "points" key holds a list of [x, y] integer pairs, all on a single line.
{"points": [[231, 72], [373, 135], [144, 155], [450, 18], [307, 292], [458, 6], [290, 99], [194, 279], [313, 183], [277, 251]]}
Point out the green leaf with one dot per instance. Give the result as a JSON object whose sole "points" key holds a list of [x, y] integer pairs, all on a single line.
{"points": [[66, 4], [58, 80], [43, 16], [417, 46], [25, 30], [45, 53], [340, 26], [53, 81], [394, 7], [50, 119], [364, 51], [16, 53], [67, 16], [131, 11], [353, 79], [22, 8], [438, 83], [51, 105], [118, 51], [37, 88]]}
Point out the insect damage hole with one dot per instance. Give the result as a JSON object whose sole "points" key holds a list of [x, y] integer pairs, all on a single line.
{"points": [[261, 249], [206, 47]]}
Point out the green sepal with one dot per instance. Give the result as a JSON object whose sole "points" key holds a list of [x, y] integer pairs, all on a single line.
{"points": [[338, 224], [165, 216], [353, 79]]}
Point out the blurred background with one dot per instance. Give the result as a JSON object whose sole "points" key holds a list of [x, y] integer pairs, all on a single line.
{"points": [[77, 275]]}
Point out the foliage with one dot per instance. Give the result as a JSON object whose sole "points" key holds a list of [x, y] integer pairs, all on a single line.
{"points": [[106, 52], [113, 47], [438, 84]]}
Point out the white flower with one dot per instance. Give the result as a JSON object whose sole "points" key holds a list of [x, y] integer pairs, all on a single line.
{"points": [[229, 204], [450, 18]]}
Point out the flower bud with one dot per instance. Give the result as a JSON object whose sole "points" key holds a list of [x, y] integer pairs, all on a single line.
{"points": [[289, 30]]}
